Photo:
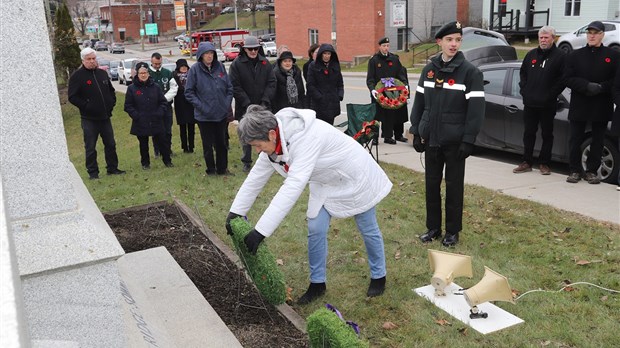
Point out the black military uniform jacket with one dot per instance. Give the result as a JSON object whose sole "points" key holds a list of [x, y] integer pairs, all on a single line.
{"points": [[449, 102], [591, 64]]}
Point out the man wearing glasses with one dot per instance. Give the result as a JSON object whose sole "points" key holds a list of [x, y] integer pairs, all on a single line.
{"points": [[254, 82], [589, 74]]}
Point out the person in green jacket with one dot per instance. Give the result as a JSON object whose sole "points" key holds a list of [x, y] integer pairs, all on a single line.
{"points": [[164, 79]]}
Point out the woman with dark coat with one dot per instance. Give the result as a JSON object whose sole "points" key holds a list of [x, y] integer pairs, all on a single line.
{"points": [[311, 57], [325, 84], [146, 105], [183, 109], [290, 90]]}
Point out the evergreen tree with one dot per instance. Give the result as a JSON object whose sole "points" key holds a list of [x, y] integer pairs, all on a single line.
{"points": [[66, 49]]}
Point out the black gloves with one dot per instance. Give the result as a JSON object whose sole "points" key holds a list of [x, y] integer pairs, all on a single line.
{"points": [[465, 150], [252, 241], [230, 217], [593, 88], [417, 144]]}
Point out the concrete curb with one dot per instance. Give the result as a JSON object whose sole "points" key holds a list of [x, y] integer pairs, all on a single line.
{"points": [[286, 310]]}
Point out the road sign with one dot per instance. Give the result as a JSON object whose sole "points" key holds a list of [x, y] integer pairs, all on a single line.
{"points": [[151, 28], [141, 32]]}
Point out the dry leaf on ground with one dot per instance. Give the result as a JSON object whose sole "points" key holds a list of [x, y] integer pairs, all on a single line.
{"points": [[280, 262], [388, 325], [442, 322]]}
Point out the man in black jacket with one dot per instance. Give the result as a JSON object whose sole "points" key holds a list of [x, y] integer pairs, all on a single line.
{"points": [[90, 89], [254, 82], [447, 115], [589, 74], [541, 83]]}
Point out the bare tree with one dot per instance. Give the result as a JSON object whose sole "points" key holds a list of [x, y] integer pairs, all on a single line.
{"points": [[251, 4], [426, 14], [80, 14]]}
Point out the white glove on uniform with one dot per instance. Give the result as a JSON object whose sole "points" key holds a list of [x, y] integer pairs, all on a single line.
{"points": [[374, 94]]}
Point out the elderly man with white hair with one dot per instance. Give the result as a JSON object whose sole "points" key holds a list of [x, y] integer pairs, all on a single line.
{"points": [[541, 83], [90, 89]]}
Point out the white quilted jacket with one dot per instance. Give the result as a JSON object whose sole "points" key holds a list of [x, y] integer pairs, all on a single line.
{"points": [[342, 176]]}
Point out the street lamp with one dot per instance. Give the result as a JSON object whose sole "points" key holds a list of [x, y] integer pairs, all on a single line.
{"points": [[110, 21]]}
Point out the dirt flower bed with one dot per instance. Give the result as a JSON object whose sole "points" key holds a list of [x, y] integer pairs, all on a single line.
{"points": [[252, 320]]}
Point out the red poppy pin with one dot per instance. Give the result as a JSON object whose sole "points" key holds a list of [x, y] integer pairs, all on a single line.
{"points": [[451, 82], [390, 63], [430, 74], [264, 62], [89, 82], [138, 92], [221, 74], [325, 72], [533, 61], [607, 60]]}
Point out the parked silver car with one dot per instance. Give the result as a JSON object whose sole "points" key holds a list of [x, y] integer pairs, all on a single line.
{"points": [[577, 38], [503, 123]]}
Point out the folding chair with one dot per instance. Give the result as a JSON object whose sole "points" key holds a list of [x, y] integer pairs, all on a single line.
{"points": [[357, 114]]}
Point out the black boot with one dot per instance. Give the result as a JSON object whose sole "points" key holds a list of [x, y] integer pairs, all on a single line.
{"points": [[315, 290], [450, 239], [376, 287], [430, 235]]}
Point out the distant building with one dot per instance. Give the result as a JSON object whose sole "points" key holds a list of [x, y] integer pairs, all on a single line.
{"points": [[355, 26], [529, 15], [126, 17]]}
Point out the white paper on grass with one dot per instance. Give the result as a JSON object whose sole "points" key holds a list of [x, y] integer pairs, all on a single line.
{"points": [[456, 306]]}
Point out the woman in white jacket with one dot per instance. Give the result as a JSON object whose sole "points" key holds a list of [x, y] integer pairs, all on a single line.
{"points": [[343, 178]]}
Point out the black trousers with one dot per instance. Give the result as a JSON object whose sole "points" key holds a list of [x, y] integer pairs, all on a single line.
{"points": [[391, 124], [435, 160], [213, 135], [187, 132], [158, 140], [532, 117], [167, 131], [577, 136], [92, 129]]}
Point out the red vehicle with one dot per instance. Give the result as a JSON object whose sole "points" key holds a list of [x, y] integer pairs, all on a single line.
{"points": [[231, 53], [221, 39]]}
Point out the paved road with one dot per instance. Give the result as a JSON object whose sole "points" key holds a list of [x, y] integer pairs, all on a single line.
{"points": [[488, 169]]}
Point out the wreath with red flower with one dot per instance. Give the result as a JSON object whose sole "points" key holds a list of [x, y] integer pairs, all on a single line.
{"points": [[368, 132], [392, 93]]}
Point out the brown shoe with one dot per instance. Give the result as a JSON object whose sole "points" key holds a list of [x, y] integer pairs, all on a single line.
{"points": [[592, 178], [573, 178], [544, 169], [522, 168]]}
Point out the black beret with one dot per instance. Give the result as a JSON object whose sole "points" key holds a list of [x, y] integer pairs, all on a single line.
{"points": [[450, 28], [384, 40]]}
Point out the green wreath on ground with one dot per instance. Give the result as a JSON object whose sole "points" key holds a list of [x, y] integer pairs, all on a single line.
{"points": [[262, 267], [327, 328]]}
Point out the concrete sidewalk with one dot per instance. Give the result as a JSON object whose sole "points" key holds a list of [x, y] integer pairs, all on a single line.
{"points": [[600, 202]]}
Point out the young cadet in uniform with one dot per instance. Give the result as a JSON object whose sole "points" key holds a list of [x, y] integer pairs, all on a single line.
{"points": [[447, 115]]}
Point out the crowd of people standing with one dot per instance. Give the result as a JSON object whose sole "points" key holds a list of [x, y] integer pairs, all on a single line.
{"points": [[289, 124]]}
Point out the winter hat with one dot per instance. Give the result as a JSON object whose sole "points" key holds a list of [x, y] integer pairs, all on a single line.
{"points": [[250, 42], [286, 55], [181, 62], [140, 66]]}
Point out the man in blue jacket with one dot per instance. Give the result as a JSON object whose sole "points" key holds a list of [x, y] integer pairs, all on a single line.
{"points": [[90, 89], [209, 90]]}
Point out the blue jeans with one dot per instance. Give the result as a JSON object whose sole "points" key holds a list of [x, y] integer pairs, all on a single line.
{"points": [[317, 244]]}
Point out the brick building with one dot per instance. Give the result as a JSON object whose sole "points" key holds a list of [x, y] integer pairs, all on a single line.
{"points": [[126, 17], [358, 24]]}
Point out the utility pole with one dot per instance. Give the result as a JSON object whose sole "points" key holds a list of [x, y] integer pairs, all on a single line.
{"points": [[236, 23], [110, 20], [334, 23], [188, 22], [141, 27]]}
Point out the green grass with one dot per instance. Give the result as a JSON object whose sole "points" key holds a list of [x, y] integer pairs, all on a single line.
{"points": [[534, 245], [244, 20]]}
